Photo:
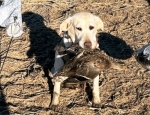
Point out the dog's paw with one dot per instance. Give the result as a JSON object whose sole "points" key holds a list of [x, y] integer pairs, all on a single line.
{"points": [[54, 107], [96, 105]]}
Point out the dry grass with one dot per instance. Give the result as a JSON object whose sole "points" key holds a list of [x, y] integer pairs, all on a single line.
{"points": [[25, 87]]}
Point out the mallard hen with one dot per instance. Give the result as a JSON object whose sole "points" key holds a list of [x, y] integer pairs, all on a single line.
{"points": [[87, 64]]}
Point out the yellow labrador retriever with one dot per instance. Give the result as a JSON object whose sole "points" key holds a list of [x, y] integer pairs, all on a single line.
{"points": [[82, 29]]}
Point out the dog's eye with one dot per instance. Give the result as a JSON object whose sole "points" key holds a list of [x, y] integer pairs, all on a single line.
{"points": [[78, 28], [91, 27]]}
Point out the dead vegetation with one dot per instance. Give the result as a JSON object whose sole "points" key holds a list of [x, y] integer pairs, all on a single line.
{"points": [[24, 82]]}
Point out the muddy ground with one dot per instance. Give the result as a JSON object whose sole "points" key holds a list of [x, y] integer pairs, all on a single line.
{"points": [[25, 84]]}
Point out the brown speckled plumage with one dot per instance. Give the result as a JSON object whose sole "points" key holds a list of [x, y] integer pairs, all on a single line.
{"points": [[87, 63]]}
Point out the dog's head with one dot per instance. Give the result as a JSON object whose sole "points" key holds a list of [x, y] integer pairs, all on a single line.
{"points": [[82, 28]]}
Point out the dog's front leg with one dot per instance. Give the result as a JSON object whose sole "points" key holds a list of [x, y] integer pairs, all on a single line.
{"points": [[96, 98], [56, 95], [56, 92]]}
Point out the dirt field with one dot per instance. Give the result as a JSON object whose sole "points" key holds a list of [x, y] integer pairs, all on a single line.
{"points": [[24, 83]]}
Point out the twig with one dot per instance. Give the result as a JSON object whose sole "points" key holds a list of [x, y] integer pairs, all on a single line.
{"points": [[6, 54]]}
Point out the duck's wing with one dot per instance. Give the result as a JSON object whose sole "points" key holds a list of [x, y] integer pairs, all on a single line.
{"points": [[69, 68], [86, 69]]}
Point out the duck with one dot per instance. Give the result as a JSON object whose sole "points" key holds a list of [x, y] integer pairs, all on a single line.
{"points": [[86, 64], [143, 56]]}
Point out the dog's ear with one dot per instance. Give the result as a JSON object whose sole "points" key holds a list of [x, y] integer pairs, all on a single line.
{"points": [[67, 26], [99, 23]]}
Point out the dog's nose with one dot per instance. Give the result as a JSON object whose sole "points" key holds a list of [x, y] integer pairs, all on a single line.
{"points": [[87, 44]]}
